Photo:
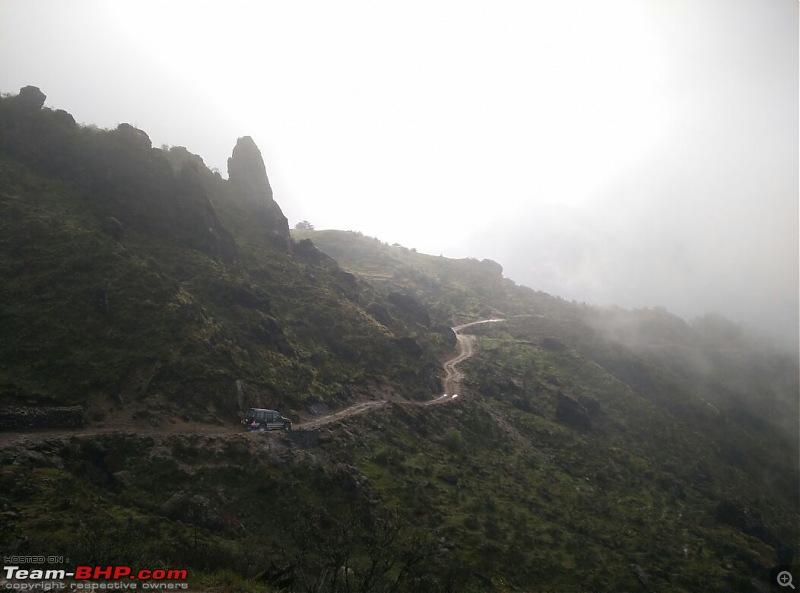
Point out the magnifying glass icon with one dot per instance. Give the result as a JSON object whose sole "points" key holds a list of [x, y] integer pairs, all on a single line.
{"points": [[785, 579]]}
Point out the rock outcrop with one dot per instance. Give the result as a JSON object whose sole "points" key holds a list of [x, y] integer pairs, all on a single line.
{"points": [[411, 307], [248, 176], [196, 213], [306, 250], [30, 99], [570, 411]]}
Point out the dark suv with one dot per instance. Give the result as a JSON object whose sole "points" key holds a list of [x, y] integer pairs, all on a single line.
{"points": [[261, 419]]}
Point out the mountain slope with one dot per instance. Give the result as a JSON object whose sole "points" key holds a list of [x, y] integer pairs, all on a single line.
{"points": [[681, 428], [137, 279], [588, 449]]}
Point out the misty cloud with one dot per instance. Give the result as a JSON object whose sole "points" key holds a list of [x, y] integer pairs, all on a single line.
{"points": [[641, 153], [662, 237]]}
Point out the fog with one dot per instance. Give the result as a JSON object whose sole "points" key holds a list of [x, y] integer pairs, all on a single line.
{"points": [[636, 152]]}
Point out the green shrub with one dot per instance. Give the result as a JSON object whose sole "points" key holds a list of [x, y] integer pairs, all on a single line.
{"points": [[453, 440]]}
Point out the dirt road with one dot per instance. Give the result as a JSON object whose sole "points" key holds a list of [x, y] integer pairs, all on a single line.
{"points": [[353, 410], [465, 347]]}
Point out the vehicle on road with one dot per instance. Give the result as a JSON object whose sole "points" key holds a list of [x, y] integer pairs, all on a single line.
{"points": [[263, 419]]}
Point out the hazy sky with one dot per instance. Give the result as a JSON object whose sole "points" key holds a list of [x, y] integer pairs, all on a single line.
{"points": [[637, 152]]}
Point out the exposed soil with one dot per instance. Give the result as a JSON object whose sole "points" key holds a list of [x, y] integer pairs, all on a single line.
{"points": [[353, 410]]}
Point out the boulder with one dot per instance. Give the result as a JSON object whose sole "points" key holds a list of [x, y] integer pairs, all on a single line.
{"points": [[133, 136], [570, 411], [306, 250], [380, 314], [746, 519], [123, 478], [30, 99], [173, 506], [492, 267], [592, 406], [114, 227], [642, 575], [411, 307], [448, 335], [553, 344], [409, 346]]}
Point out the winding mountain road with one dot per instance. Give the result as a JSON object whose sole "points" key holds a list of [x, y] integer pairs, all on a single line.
{"points": [[465, 348]]}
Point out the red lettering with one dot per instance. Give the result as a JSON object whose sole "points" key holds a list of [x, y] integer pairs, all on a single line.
{"points": [[177, 574], [121, 571], [115, 573], [83, 572], [103, 573]]}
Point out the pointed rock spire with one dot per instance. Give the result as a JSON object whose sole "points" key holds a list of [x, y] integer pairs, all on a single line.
{"points": [[248, 175], [247, 171]]}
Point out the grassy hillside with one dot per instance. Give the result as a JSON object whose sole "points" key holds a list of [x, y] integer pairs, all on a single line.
{"points": [[588, 449], [484, 493], [679, 441], [453, 290], [135, 278]]}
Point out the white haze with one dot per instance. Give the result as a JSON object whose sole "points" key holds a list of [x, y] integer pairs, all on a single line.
{"points": [[637, 152]]}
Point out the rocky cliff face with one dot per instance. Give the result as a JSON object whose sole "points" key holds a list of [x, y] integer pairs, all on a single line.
{"points": [[248, 176], [143, 187]]}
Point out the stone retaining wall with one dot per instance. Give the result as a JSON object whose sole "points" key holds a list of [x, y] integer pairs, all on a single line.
{"points": [[41, 417]]}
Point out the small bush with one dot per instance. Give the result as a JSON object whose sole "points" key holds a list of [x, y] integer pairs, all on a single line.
{"points": [[453, 440]]}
